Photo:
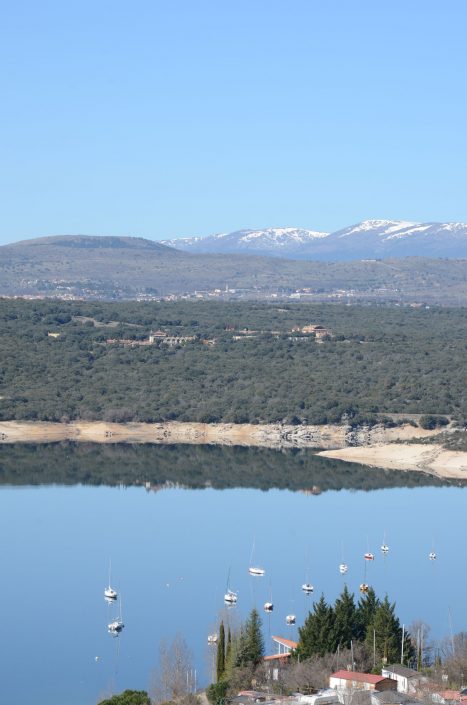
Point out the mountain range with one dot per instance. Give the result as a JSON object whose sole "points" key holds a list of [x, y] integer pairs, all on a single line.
{"points": [[85, 266], [370, 239]]}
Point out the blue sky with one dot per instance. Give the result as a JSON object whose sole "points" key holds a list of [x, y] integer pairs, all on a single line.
{"points": [[183, 117]]}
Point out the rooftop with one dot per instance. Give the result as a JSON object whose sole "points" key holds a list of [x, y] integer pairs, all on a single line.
{"points": [[276, 657], [285, 642], [402, 671], [357, 676]]}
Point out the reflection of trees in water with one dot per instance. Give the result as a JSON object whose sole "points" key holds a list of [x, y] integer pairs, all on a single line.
{"points": [[156, 467]]}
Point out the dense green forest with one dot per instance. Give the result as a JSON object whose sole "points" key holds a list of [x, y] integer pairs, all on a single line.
{"points": [[197, 467], [378, 360]]}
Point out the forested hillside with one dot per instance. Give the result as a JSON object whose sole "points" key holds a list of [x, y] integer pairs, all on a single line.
{"points": [[375, 360]]}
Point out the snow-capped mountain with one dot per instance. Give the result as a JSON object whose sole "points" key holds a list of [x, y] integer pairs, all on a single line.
{"points": [[369, 239], [277, 242]]}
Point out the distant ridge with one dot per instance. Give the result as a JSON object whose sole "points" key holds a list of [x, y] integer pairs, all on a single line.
{"points": [[365, 240], [93, 242], [90, 267]]}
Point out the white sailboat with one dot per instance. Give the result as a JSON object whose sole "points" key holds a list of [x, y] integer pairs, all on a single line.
{"points": [[307, 587], [116, 626], [230, 597], [109, 592], [384, 546], [269, 606], [343, 567], [253, 569]]}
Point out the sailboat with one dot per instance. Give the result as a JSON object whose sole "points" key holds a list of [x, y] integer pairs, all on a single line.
{"points": [[255, 570], [116, 626], [307, 587], [269, 606], [230, 597], [109, 592], [343, 567], [384, 546]]}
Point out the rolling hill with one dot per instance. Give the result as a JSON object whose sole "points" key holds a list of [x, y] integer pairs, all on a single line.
{"points": [[128, 268]]}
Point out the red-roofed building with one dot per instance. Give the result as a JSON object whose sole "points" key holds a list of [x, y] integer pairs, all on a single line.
{"points": [[275, 662], [285, 646], [361, 681]]}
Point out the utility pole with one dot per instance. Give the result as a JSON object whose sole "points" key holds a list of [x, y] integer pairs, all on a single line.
{"points": [[402, 646]]}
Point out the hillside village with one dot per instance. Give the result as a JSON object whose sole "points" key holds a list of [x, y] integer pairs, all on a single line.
{"points": [[393, 684], [309, 332]]}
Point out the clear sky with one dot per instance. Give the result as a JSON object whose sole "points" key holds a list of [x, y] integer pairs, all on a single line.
{"points": [[183, 117]]}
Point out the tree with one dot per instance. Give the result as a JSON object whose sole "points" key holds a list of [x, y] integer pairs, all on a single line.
{"points": [[128, 697], [386, 634], [419, 632], [220, 662], [169, 680], [367, 606], [316, 635], [216, 692], [345, 626], [251, 644]]}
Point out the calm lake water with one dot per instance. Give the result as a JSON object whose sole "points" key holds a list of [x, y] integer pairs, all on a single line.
{"points": [[171, 552]]}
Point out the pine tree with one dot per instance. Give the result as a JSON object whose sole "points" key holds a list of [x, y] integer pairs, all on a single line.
{"points": [[367, 606], [220, 662], [316, 635], [345, 623], [387, 633], [251, 644]]}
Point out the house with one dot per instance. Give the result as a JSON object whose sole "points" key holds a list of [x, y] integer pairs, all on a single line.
{"points": [[276, 662], [342, 680], [392, 697], [408, 680], [449, 697], [322, 697], [320, 332], [157, 335], [53, 335]]}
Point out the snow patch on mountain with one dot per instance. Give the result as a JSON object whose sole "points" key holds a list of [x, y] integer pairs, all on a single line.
{"points": [[368, 239]]}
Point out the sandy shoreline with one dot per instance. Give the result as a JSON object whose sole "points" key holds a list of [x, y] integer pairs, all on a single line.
{"points": [[267, 435], [376, 446], [433, 458]]}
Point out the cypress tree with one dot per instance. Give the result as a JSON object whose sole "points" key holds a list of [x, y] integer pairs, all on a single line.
{"points": [[316, 635], [229, 646], [220, 662]]}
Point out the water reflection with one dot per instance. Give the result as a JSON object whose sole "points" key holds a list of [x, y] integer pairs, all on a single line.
{"points": [[158, 468], [174, 549]]}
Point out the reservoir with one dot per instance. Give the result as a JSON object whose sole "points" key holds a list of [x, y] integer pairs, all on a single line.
{"points": [[175, 522]]}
